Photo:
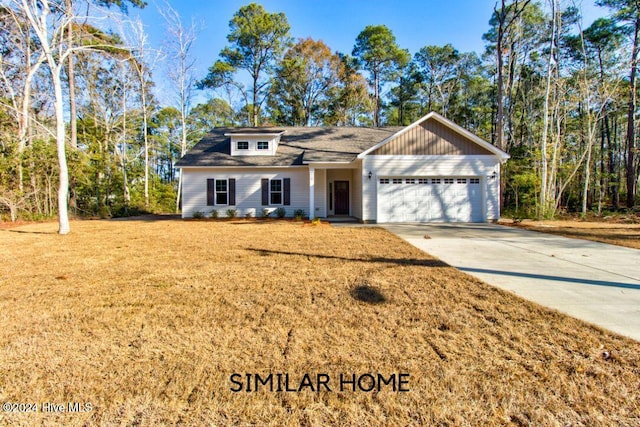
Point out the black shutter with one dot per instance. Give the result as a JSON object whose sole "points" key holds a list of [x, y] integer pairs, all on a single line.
{"points": [[232, 191], [265, 192], [286, 184], [211, 195]]}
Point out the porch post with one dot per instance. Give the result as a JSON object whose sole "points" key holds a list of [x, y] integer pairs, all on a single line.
{"points": [[312, 205]]}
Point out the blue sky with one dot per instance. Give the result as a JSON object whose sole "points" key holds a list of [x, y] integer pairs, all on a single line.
{"points": [[415, 23]]}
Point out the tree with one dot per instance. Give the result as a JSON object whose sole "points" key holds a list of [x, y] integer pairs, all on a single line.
{"points": [[404, 97], [70, 70], [503, 20], [349, 100], [439, 68], [143, 59], [258, 40], [49, 32], [379, 54], [181, 72], [627, 16], [303, 79]]}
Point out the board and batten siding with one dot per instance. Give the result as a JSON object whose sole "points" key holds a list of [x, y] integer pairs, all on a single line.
{"points": [[431, 138], [248, 189], [430, 166]]}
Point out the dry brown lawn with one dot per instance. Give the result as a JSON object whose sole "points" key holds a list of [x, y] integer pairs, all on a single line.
{"points": [[614, 233], [147, 320]]}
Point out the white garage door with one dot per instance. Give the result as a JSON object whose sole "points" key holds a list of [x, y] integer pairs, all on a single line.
{"points": [[437, 199]]}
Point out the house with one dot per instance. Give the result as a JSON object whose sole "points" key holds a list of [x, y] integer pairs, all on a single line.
{"points": [[430, 171]]}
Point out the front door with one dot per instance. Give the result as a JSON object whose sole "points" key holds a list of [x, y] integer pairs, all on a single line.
{"points": [[341, 197]]}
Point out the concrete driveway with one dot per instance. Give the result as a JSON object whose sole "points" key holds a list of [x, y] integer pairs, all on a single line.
{"points": [[595, 282]]}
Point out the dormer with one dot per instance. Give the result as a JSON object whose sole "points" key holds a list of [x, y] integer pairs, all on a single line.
{"points": [[248, 143]]}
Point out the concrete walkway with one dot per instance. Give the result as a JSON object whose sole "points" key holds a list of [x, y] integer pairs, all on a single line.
{"points": [[595, 282]]}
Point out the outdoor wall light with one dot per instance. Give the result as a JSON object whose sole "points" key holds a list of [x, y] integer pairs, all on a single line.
{"points": [[493, 175], [370, 175]]}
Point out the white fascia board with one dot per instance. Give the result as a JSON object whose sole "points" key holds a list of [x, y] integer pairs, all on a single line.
{"points": [[432, 157], [255, 134], [242, 167]]}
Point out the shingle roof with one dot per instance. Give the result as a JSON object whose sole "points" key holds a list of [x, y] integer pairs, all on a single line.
{"points": [[298, 145]]}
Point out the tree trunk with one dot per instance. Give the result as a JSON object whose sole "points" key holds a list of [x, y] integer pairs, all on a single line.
{"points": [[73, 122], [376, 89], [255, 99], [63, 189], [500, 82], [631, 175]]}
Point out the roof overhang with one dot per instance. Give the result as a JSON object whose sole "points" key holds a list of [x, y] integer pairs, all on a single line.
{"points": [[245, 133], [458, 129]]}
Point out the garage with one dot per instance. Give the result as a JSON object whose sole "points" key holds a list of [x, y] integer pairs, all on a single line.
{"points": [[430, 199]]}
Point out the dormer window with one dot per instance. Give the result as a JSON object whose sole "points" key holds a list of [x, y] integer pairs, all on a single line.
{"points": [[254, 142]]}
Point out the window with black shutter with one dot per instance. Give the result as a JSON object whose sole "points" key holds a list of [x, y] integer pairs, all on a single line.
{"points": [[276, 191]]}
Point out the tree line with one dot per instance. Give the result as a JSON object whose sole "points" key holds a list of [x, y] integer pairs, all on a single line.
{"points": [[82, 131]]}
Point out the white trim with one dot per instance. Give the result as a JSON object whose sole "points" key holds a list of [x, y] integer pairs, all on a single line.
{"points": [[281, 192], [312, 193], [255, 134], [432, 157], [328, 163], [215, 191], [242, 167], [433, 115], [332, 165]]}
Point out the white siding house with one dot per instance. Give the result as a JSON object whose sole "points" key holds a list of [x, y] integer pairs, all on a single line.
{"points": [[430, 171]]}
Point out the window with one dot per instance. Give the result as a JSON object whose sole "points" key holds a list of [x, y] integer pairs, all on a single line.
{"points": [[242, 145], [222, 195], [449, 180], [397, 181], [436, 181], [263, 145], [461, 181], [384, 180], [423, 181], [474, 180], [410, 181], [275, 192], [221, 192]]}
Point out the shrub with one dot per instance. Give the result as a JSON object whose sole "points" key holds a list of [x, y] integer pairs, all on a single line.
{"points": [[315, 221], [265, 213], [198, 215], [299, 214], [281, 212], [232, 213], [248, 215], [214, 213]]}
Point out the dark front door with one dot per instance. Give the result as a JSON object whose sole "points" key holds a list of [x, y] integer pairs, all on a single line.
{"points": [[342, 197]]}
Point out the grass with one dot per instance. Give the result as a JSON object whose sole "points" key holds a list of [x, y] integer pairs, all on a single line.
{"points": [[147, 320], [614, 233]]}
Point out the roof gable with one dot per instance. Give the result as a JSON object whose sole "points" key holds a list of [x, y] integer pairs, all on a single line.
{"points": [[434, 135]]}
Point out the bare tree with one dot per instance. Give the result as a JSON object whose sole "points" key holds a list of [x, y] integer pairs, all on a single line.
{"points": [[181, 71], [47, 22], [143, 59]]}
